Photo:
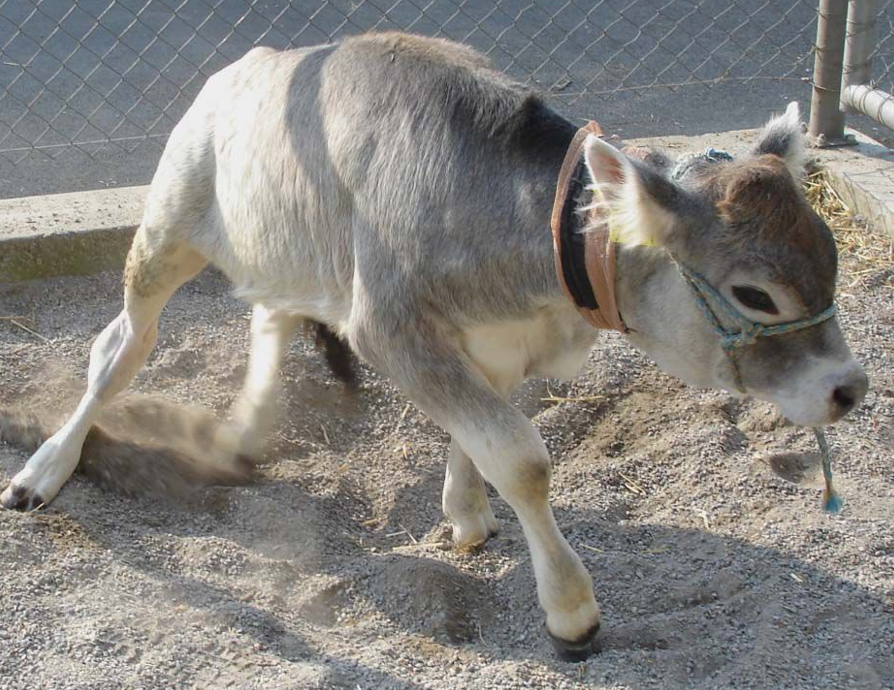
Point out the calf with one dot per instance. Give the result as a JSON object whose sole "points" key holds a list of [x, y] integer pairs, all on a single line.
{"points": [[398, 191]]}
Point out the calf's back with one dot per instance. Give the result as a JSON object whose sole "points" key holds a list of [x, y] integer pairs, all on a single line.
{"points": [[389, 173]]}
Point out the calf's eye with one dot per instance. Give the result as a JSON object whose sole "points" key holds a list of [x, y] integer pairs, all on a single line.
{"points": [[755, 298]]}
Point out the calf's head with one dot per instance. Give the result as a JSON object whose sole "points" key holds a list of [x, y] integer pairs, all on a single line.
{"points": [[745, 228]]}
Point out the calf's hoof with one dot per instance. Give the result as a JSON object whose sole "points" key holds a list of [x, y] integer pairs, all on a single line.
{"points": [[471, 533], [21, 498], [578, 650]]}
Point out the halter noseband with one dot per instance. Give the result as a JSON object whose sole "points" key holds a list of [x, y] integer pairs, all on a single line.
{"points": [[733, 342]]}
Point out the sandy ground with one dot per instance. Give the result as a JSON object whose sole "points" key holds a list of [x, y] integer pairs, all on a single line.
{"points": [[331, 571]]}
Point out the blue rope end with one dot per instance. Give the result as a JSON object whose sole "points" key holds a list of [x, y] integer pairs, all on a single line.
{"points": [[832, 502]]}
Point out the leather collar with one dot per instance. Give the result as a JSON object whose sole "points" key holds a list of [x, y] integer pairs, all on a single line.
{"points": [[585, 261]]}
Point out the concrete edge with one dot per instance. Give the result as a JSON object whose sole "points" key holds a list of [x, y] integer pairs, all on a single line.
{"points": [[864, 177], [86, 232], [67, 234]]}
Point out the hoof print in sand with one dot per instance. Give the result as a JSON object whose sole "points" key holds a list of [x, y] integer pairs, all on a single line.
{"points": [[324, 607], [431, 598], [805, 469]]}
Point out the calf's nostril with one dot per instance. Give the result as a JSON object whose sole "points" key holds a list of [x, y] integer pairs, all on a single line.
{"points": [[845, 397], [850, 392]]}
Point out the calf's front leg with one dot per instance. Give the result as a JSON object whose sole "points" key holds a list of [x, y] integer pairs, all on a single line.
{"points": [[518, 466], [508, 452]]}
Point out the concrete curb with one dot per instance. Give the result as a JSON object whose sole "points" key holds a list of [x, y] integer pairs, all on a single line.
{"points": [[86, 232], [67, 234], [864, 176]]}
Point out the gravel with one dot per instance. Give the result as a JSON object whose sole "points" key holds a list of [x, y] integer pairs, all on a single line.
{"points": [[332, 570]]}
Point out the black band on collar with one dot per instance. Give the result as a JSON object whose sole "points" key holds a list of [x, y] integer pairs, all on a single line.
{"points": [[573, 261]]}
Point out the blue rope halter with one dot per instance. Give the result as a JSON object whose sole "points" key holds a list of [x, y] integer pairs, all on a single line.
{"points": [[733, 342], [685, 163]]}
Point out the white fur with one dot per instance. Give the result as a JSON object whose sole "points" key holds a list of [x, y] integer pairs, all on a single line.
{"points": [[790, 123], [806, 399], [620, 198], [553, 343], [464, 500], [255, 412]]}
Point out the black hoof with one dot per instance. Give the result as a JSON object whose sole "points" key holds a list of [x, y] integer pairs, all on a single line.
{"points": [[576, 651], [20, 498]]}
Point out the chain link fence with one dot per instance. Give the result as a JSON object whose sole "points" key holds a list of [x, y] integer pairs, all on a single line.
{"points": [[882, 58], [90, 82]]}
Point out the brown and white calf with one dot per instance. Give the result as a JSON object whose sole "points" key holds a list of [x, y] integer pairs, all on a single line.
{"points": [[399, 191]]}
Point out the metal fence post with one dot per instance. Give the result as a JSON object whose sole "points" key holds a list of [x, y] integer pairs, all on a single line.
{"points": [[858, 93], [826, 119], [858, 46]]}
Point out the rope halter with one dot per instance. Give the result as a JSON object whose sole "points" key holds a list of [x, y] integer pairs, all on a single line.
{"points": [[733, 342], [686, 162]]}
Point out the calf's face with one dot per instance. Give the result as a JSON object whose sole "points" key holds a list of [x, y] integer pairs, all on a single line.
{"points": [[747, 229]]}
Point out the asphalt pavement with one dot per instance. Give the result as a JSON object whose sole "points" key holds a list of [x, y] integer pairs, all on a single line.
{"points": [[127, 69]]}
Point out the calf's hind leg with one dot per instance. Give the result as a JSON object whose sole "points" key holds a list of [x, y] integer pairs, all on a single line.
{"points": [[152, 276], [255, 411], [465, 501]]}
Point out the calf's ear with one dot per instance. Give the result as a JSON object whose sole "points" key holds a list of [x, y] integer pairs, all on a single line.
{"points": [[642, 206], [782, 136]]}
